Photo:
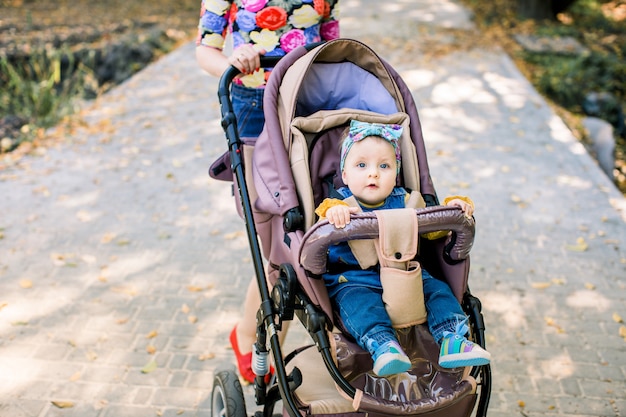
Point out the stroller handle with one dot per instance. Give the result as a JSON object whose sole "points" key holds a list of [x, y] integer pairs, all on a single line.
{"points": [[231, 72], [315, 244]]}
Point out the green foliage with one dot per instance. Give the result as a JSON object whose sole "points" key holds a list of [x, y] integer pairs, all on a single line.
{"points": [[567, 80], [37, 89]]}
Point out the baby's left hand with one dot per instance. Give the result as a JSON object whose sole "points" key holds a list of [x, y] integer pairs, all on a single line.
{"points": [[467, 208]]}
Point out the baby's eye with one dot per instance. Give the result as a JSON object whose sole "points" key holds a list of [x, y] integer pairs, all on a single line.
{"points": [[384, 165], [361, 165]]}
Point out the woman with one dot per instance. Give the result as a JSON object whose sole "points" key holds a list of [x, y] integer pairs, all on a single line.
{"points": [[257, 27]]}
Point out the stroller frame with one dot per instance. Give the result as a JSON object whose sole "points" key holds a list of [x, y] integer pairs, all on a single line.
{"points": [[286, 299]]}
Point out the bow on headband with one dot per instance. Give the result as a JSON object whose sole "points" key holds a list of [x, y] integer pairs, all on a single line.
{"points": [[361, 130]]}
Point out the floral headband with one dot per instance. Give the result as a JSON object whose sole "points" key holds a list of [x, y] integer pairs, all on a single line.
{"points": [[361, 130]]}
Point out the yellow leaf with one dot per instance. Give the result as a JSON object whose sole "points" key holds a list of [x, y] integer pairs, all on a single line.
{"points": [[63, 404], [151, 349], [580, 245], [590, 286], [26, 284], [194, 288], [617, 318], [622, 331], [122, 321], [152, 334], [75, 377], [540, 285], [149, 367], [192, 319], [521, 404], [84, 216], [107, 238], [206, 356], [125, 290], [233, 235], [558, 281]]}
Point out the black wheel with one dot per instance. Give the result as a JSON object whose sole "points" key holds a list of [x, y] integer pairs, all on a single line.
{"points": [[227, 398]]}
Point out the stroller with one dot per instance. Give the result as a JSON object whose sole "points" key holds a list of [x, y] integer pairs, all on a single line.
{"points": [[280, 178]]}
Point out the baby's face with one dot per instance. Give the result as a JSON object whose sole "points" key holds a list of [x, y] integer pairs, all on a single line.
{"points": [[370, 170]]}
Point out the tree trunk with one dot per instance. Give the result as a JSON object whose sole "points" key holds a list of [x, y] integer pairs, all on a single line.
{"points": [[542, 9]]}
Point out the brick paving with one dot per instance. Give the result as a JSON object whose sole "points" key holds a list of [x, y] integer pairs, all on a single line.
{"points": [[122, 265]]}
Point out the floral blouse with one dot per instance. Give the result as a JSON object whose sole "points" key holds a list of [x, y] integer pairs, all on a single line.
{"points": [[276, 26]]}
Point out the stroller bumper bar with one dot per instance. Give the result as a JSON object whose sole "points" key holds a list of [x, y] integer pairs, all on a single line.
{"points": [[313, 252]]}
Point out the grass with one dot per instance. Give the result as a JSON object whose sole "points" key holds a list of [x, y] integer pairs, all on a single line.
{"points": [[37, 92], [40, 90]]}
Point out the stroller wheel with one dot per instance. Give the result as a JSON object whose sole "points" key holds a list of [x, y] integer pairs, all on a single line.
{"points": [[227, 398]]}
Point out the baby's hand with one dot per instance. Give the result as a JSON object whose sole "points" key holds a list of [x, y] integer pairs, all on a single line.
{"points": [[339, 215], [467, 208]]}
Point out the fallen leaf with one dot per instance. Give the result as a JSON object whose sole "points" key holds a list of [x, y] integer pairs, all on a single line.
{"points": [[192, 319], [521, 404], [540, 285], [152, 334], [125, 290], [580, 245], [149, 367], [617, 318], [194, 288], [552, 323], [3, 305], [26, 284], [91, 355], [63, 404], [622, 331], [84, 216], [590, 286], [206, 356], [558, 281], [233, 235], [185, 309], [151, 349], [75, 377], [122, 321], [107, 237]]}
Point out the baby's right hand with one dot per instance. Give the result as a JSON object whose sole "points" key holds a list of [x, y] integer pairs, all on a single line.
{"points": [[339, 215]]}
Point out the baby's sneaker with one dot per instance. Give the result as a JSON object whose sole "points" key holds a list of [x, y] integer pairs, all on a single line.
{"points": [[457, 351], [390, 359]]}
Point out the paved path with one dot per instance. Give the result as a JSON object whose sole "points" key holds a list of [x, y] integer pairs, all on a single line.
{"points": [[122, 265]]}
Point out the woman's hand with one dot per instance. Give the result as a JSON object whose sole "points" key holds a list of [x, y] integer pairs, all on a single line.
{"points": [[246, 58]]}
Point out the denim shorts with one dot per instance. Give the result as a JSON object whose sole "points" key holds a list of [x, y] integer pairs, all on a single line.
{"points": [[248, 108]]}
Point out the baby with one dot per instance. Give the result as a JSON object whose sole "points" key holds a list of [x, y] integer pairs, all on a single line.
{"points": [[370, 163]]}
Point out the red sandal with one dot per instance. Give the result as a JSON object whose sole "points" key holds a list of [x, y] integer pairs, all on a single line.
{"points": [[244, 362]]}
